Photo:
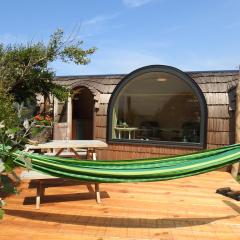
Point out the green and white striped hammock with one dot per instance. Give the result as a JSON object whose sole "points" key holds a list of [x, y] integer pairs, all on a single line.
{"points": [[140, 170]]}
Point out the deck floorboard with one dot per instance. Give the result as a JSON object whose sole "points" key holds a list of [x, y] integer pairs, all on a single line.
{"points": [[185, 208]]}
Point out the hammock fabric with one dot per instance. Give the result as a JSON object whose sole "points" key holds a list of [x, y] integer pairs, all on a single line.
{"points": [[141, 170]]}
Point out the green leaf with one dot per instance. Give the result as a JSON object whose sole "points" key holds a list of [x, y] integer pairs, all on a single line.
{"points": [[13, 130], [1, 213], [9, 165]]}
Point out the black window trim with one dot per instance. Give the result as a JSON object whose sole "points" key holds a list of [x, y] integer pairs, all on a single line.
{"points": [[178, 73]]}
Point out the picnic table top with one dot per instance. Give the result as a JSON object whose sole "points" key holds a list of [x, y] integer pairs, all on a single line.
{"points": [[69, 144]]}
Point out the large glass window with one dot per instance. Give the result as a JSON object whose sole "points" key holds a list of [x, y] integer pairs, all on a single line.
{"points": [[156, 107]]}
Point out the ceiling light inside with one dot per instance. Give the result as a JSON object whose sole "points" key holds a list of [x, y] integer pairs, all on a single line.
{"points": [[161, 79]]}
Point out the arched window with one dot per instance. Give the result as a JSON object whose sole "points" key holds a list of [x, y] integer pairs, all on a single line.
{"points": [[157, 105]]}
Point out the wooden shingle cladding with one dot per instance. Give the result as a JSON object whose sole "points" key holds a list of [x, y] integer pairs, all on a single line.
{"points": [[218, 88], [101, 86]]}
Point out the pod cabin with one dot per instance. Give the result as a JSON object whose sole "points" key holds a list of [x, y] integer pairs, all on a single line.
{"points": [[153, 111]]}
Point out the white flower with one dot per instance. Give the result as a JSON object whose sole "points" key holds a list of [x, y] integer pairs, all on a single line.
{"points": [[2, 125], [11, 135], [26, 124]]}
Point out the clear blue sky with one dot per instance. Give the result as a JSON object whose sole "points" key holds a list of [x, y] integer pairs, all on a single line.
{"points": [[187, 34]]}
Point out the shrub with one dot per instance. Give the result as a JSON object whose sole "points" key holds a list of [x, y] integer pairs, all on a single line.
{"points": [[8, 113]]}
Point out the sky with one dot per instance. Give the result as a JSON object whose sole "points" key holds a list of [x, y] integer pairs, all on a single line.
{"points": [[188, 34]]}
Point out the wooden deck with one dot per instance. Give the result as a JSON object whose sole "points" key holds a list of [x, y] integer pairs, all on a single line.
{"points": [[179, 209]]}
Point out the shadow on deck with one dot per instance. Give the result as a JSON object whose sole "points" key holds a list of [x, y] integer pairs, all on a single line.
{"points": [[115, 222]]}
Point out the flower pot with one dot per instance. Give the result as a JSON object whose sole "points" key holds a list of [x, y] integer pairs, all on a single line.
{"points": [[41, 134]]}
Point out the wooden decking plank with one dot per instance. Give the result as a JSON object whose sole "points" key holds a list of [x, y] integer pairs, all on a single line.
{"points": [[177, 209]]}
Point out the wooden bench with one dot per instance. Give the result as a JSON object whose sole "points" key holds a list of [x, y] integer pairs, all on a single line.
{"points": [[39, 177], [79, 153]]}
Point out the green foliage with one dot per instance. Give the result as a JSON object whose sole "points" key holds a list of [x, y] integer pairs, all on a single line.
{"points": [[1, 213], [36, 131], [2, 204], [12, 138], [8, 186], [8, 113], [25, 71]]}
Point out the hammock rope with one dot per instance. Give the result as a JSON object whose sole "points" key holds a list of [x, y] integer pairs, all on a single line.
{"points": [[139, 170]]}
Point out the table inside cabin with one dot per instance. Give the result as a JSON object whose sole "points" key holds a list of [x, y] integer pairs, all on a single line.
{"points": [[57, 147], [129, 130]]}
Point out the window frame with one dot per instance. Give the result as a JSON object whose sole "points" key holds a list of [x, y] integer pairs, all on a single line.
{"points": [[177, 73]]}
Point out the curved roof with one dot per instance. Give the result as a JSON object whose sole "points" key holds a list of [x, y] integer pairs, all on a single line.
{"points": [[215, 86]]}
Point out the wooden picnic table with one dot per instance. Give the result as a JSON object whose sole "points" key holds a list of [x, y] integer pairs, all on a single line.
{"points": [[56, 148]]}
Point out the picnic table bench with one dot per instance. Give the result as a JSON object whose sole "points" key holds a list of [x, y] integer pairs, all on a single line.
{"points": [[56, 148]]}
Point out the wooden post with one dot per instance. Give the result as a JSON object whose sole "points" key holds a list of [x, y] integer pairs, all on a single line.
{"points": [[97, 189], [69, 118], [55, 115], [55, 109], [235, 167], [40, 194]]}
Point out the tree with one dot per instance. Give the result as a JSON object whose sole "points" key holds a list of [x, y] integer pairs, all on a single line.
{"points": [[25, 71], [8, 113]]}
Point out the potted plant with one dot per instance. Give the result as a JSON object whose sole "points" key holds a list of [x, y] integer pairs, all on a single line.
{"points": [[42, 130]]}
